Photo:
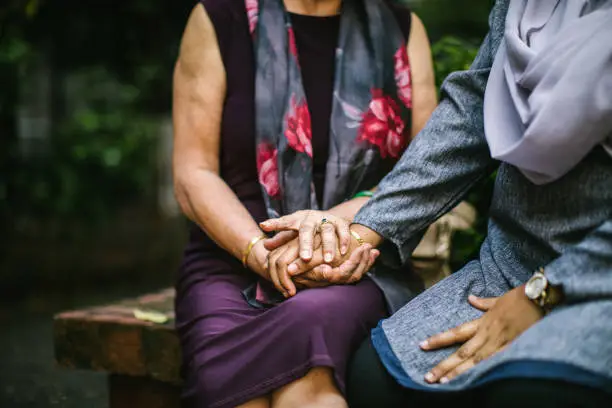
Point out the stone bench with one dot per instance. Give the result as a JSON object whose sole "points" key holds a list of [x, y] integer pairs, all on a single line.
{"points": [[142, 358]]}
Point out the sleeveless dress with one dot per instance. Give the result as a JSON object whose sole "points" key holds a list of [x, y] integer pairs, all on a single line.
{"points": [[233, 352]]}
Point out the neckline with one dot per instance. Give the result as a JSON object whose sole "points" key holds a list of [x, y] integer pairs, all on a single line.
{"points": [[310, 17]]}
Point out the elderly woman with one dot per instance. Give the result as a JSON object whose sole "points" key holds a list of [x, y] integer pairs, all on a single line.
{"points": [[529, 323], [281, 106]]}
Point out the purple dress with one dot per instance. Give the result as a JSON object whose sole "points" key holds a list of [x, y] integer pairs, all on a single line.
{"points": [[233, 352]]}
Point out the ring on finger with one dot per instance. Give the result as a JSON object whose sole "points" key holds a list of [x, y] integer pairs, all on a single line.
{"points": [[323, 222]]}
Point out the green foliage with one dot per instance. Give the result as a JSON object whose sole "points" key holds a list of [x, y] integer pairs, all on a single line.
{"points": [[14, 50], [463, 18], [108, 91], [100, 157], [452, 54]]}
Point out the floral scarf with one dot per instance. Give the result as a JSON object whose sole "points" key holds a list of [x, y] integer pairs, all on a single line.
{"points": [[370, 118]]}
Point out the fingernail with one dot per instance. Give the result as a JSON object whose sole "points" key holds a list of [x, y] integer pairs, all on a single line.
{"points": [[424, 344], [292, 268], [306, 254], [328, 257], [472, 297], [343, 250], [429, 377], [443, 380]]}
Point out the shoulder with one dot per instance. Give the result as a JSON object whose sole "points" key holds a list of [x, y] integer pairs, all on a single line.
{"points": [[225, 13], [224, 8], [229, 22]]}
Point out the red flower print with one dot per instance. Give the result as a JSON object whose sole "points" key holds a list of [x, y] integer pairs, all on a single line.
{"points": [[382, 125], [252, 9], [298, 129], [402, 76], [292, 44], [267, 168]]}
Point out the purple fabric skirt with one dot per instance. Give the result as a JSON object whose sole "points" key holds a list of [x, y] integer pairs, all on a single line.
{"points": [[233, 352]]}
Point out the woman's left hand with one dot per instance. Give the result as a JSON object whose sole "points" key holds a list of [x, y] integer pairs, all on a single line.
{"points": [[505, 319], [334, 232]]}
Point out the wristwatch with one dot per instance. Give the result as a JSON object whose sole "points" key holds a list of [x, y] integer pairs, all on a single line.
{"points": [[540, 292]]}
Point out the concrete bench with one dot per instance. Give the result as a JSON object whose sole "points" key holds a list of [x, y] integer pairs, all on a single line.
{"points": [[142, 358]]}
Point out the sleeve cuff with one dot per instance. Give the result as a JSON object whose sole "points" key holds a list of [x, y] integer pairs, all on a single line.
{"points": [[394, 252]]}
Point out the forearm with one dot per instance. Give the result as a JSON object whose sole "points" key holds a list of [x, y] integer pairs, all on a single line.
{"points": [[208, 201], [350, 208]]}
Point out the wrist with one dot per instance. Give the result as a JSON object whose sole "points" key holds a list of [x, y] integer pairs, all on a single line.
{"points": [[539, 291], [533, 305], [249, 247], [367, 235], [346, 212], [256, 261], [364, 193]]}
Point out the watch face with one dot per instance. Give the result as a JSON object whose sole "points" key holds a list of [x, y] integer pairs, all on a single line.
{"points": [[535, 286]]}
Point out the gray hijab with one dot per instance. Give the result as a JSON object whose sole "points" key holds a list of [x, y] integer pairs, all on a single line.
{"points": [[548, 100]]}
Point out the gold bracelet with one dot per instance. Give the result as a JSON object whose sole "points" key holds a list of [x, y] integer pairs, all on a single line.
{"points": [[357, 237], [249, 248]]}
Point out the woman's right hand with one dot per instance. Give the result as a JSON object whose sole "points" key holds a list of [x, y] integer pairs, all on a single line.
{"points": [[343, 270], [284, 249], [258, 260], [350, 271]]}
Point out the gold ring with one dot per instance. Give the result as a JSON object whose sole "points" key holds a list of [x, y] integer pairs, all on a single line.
{"points": [[323, 222]]}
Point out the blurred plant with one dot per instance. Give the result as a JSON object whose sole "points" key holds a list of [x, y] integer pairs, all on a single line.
{"points": [[15, 51], [100, 157], [452, 54], [106, 85], [467, 18]]}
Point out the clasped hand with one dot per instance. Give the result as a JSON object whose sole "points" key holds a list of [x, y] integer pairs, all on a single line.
{"points": [[307, 252]]}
